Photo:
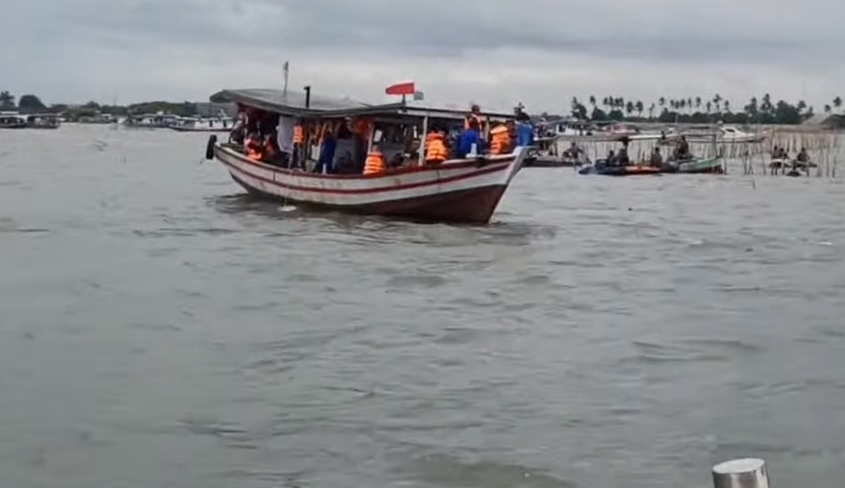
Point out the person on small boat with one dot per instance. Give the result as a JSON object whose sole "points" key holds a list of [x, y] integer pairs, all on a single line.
{"points": [[469, 136], [298, 145], [524, 131], [500, 139], [802, 156], [375, 161], [682, 150], [435, 147], [573, 152], [656, 158], [622, 158], [254, 147]]}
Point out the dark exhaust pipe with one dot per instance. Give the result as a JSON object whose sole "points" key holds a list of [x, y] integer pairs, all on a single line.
{"points": [[308, 96]]}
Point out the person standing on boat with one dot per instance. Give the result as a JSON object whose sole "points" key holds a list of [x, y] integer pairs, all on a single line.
{"points": [[284, 139], [471, 136], [474, 114], [524, 131], [327, 150]]}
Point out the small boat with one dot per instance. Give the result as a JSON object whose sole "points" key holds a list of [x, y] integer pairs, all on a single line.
{"points": [[602, 168], [695, 165], [464, 190], [43, 121], [150, 121], [12, 120], [198, 124], [551, 161]]}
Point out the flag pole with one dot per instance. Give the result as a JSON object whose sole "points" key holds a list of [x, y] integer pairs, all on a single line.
{"points": [[287, 71]]}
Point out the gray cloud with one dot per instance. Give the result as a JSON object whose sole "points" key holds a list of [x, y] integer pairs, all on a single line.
{"points": [[715, 33]]}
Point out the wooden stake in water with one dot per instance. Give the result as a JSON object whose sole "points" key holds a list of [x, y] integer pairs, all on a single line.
{"points": [[741, 473]]}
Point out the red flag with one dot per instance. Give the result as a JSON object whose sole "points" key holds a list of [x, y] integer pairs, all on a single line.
{"points": [[401, 89]]}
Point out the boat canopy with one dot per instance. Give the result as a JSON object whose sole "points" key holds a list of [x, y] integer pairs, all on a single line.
{"points": [[293, 104]]}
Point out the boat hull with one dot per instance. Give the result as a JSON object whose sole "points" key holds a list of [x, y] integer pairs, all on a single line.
{"points": [[708, 165], [461, 192], [552, 162], [201, 129]]}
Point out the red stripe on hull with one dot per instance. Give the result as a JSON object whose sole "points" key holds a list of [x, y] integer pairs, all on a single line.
{"points": [[359, 191], [472, 206]]}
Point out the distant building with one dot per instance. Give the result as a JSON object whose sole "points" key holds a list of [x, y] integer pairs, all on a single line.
{"points": [[825, 121], [209, 109]]}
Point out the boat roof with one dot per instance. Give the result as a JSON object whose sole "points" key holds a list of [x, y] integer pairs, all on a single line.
{"points": [[293, 104]]}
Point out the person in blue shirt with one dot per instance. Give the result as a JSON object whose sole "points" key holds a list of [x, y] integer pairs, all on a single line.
{"points": [[524, 131], [471, 135], [324, 163]]}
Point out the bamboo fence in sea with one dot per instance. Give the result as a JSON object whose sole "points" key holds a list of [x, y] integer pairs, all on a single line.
{"points": [[825, 148]]}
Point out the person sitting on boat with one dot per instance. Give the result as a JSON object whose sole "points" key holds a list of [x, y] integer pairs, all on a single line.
{"points": [[656, 158], [238, 133], [375, 161], [524, 131], [474, 114], [682, 151], [622, 158], [469, 137], [271, 154], [254, 147], [500, 139], [573, 152], [435, 147], [802, 156]]}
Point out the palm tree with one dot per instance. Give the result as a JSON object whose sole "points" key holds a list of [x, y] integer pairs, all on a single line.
{"points": [[640, 107], [827, 109], [801, 106], [837, 102], [661, 101], [593, 101], [708, 106], [717, 101], [651, 111], [727, 105], [697, 102], [7, 100], [629, 107], [766, 105]]}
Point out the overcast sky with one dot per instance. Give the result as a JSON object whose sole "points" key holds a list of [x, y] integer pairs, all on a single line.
{"points": [[495, 52]]}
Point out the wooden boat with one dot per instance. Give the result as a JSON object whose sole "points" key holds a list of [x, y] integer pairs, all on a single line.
{"points": [[149, 121], [549, 161], [197, 124], [459, 190], [695, 165], [43, 121], [12, 121], [602, 168]]}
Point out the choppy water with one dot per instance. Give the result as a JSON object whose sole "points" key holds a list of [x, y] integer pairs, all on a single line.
{"points": [[160, 330]]}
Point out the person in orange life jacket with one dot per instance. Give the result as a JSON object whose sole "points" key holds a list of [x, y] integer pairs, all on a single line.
{"points": [[468, 137], [435, 147], [500, 139], [375, 161], [298, 144], [253, 147], [474, 114]]}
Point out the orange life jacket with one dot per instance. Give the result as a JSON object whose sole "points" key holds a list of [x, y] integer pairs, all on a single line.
{"points": [[500, 140], [253, 149], [435, 148], [298, 134], [374, 163]]}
